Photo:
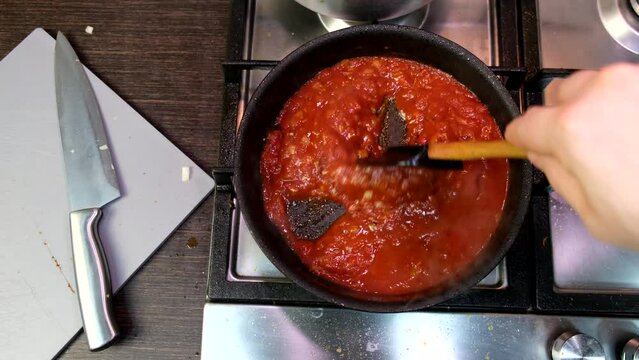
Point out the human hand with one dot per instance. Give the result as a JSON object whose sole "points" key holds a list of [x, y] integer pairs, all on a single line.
{"points": [[585, 139]]}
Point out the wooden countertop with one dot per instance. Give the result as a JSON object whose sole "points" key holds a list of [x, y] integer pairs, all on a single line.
{"points": [[163, 58]]}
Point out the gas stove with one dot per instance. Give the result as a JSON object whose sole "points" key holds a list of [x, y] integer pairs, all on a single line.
{"points": [[556, 282]]}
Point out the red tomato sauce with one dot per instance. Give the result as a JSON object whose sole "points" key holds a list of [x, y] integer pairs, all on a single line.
{"points": [[405, 229]]}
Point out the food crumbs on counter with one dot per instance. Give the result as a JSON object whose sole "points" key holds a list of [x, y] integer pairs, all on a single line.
{"points": [[55, 262], [89, 30], [58, 266], [186, 173], [371, 346], [487, 357], [191, 243], [490, 327], [103, 147], [338, 350]]}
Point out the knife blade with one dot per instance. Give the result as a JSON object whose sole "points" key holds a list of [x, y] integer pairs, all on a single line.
{"points": [[91, 183]]}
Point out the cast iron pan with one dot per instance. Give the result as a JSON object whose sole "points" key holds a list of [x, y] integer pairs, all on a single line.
{"points": [[299, 67]]}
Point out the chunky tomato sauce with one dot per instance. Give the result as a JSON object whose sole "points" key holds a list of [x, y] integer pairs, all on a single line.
{"points": [[404, 229]]}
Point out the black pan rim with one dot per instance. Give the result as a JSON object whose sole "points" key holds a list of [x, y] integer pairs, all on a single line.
{"points": [[358, 303]]}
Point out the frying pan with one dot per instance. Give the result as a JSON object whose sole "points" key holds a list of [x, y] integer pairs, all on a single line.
{"points": [[299, 67]]}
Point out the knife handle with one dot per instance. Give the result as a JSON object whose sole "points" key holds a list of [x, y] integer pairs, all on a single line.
{"points": [[92, 279]]}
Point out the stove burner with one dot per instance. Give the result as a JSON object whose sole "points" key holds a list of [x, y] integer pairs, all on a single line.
{"points": [[415, 19], [620, 18]]}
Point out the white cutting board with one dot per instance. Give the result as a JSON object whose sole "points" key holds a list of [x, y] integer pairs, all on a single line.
{"points": [[39, 313]]}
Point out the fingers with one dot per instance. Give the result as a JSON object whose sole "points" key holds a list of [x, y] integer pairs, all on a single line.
{"points": [[561, 91], [535, 130], [562, 181]]}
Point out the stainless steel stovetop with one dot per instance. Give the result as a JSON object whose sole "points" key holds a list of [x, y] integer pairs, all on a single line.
{"points": [[587, 34], [576, 275]]}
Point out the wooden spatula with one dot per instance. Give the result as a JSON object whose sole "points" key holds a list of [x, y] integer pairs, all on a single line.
{"points": [[475, 150], [445, 155]]}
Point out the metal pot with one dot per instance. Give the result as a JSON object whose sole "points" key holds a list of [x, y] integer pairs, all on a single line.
{"points": [[364, 10], [299, 67]]}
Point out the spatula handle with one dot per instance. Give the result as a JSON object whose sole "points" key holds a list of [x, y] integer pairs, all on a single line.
{"points": [[475, 150], [92, 279]]}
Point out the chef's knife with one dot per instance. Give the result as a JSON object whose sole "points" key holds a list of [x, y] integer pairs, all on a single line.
{"points": [[91, 184]]}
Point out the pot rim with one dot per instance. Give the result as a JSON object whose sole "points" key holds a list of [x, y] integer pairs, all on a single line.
{"points": [[376, 11]]}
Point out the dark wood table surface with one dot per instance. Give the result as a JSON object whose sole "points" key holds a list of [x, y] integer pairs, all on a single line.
{"points": [[163, 57]]}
